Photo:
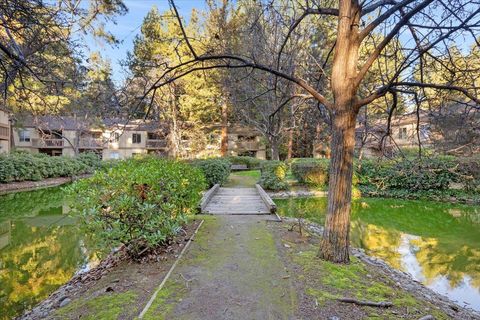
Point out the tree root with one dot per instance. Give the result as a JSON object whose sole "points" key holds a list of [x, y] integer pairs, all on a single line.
{"points": [[382, 304]]}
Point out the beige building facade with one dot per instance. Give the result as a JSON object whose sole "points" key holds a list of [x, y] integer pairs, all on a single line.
{"points": [[113, 139], [374, 142], [5, 131]]}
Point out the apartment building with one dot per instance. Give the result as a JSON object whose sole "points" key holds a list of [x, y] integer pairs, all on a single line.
{"points": [[403, 135], [117, 139], [4, 131], [111, 139], [243, 141]]}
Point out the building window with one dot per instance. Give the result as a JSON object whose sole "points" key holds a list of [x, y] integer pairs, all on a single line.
{"points": [[115, 137], [402, 133], [24, 135], [114, 155], [136, 138]]}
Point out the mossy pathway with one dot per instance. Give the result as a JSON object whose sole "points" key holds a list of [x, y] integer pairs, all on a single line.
{"points": [[231, 271]]}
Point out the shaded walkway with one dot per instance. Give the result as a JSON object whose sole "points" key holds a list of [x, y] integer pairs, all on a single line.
{"points": [[231, 271]]}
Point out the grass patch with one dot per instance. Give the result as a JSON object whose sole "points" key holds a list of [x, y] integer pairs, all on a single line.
{"points": [[165, 300], [322, 296], [326, 282], [243, 179], [248, 173], [107, 306]]}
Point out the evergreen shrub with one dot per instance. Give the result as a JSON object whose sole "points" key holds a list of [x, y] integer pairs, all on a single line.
{"points": [[273, 175], [140, 203], [216, 170]]}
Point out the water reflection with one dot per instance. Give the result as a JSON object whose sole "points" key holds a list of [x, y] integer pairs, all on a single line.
{"points": [[40, 248], [437, 243]]}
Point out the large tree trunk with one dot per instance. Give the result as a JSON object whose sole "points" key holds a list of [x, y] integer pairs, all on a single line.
{"points": [[335, 242]]}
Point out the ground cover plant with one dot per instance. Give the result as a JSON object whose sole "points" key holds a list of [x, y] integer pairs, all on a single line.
{"points": [[140, 203]]}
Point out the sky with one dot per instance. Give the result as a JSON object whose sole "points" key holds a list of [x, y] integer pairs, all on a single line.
{"points": [[128, 26]]}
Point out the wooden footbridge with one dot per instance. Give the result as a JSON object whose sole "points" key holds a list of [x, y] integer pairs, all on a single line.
{"points": [[245, 201]]}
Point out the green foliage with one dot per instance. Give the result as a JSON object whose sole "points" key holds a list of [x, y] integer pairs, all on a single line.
{"points": [[90, 159], [140, 203], [250, 162], [273, 175], [24, 166], [310, 171], [469, 173], [216, 170], [433, 173]]}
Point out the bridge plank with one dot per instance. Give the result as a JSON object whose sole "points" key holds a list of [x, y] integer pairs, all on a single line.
{"points": [[236, 201]]}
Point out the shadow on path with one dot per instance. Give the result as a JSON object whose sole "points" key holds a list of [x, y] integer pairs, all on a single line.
{"points": [[231, 271]]}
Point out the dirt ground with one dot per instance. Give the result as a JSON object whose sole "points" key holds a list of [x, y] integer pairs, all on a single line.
{"points": [[254, 268], [117, 289], [245, 267]]}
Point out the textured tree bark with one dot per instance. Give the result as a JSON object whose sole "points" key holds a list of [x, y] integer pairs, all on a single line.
{"points": [[224, 143], [335, 242]]}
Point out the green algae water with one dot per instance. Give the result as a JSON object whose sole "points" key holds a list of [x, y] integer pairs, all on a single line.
{"points": [[41, 248], [438, 244]]}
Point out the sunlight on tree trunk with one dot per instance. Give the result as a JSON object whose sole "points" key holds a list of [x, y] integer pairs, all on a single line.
{"points": [[335, 243]]}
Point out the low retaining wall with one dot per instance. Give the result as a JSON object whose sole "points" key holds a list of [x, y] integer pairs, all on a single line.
{"points": [[33, 185]]}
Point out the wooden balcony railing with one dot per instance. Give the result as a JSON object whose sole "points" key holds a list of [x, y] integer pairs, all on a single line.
{"points": [[4, 132], [156, 144], [47, 143], [91, 143]]}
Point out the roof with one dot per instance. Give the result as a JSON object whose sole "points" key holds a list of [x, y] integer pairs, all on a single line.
{"points": [[71, 123]]}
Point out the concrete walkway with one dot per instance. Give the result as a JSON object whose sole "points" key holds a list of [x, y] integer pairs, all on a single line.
{"points": [[232, 270]]}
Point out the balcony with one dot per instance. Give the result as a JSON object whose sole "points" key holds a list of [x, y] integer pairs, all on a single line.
{"points": [[4, 132], [91, 143], [156, 143], [47, 143]]}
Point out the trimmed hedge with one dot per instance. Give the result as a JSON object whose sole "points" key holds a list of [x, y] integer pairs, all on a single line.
{"points": [[23, 166], [215, 170], [140, 203], [250, 162], [273, 175], [310, 171], [433, 173]]}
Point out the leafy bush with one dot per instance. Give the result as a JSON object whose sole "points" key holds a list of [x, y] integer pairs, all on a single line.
{"points": [[216, 170], [140, 203], [250, 162], [433, 173], [468, 170], [310, 171], [273, 175], [90, 159], [23, 166]]}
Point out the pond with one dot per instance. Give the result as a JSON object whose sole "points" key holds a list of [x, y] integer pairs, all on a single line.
{"points": [[41, 248], [437, 243]]}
